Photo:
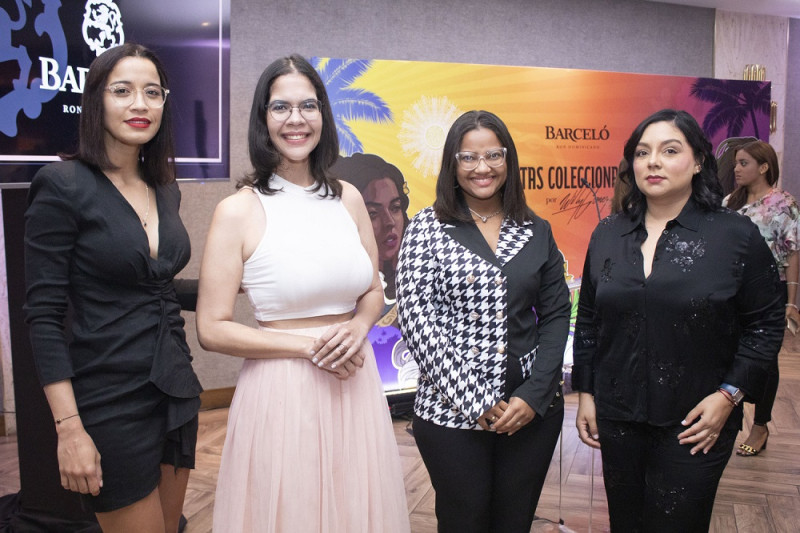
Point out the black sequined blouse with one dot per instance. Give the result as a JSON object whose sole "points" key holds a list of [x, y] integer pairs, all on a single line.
{"points": [[650, 349]]}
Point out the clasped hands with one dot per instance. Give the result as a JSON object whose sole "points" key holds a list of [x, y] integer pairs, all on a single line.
{"points": [[507, 417], [339, 350]]}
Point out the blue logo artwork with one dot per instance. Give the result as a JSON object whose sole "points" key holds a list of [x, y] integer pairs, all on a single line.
{"points": [[27, 94]]}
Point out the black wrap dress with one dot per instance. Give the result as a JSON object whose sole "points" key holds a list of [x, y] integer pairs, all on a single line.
{"points": [[104, 314]]}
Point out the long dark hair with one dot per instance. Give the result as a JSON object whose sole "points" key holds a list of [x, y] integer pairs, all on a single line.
{"points": [[706, 190], [157, 156], [763, 153], [449, 203], [264, 157]]}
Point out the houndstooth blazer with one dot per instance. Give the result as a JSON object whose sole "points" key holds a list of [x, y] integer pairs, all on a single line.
{"points": [[454, 299]]}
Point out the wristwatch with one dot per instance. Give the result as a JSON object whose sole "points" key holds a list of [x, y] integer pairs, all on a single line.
{"points": [[736, 393]]}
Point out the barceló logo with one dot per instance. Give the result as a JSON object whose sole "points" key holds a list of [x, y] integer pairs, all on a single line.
{"points": [[576, 134]]}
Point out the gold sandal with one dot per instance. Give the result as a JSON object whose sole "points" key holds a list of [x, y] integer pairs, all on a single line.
{"points": [[745, 450]]}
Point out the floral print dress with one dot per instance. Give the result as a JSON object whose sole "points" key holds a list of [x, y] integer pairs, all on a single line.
{"points": [[777, 216]]}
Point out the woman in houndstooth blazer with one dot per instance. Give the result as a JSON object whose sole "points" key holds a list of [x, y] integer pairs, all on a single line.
{"points": [[484, 308]]}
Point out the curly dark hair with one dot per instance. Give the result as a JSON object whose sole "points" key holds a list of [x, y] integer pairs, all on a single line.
{"points": [[706, 189], [362, 169], [264, 157]]}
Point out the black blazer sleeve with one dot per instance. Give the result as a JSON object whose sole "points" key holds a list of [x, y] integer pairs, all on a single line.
{"points": [[553, 311], [51, 228]]}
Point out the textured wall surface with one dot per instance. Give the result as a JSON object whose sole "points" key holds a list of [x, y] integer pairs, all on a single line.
{"points": [[790, 173], [613, 35], [741, 39]]}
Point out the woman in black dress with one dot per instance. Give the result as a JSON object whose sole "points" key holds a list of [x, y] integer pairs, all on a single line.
{"points": [[104, 238]]}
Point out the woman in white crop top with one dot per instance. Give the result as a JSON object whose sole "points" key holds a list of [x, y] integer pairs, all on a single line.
{"points": [[310, 445]]}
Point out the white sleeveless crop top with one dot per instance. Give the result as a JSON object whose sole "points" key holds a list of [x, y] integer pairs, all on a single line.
{"points": [[310, 261]]}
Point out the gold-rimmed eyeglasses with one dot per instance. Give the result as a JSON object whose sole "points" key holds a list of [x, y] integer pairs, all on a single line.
{"points": [[471, 160], [280, 110], [154, 95]]}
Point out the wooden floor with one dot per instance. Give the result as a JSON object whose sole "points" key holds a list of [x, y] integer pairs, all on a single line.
{"points": [[757, 494]]}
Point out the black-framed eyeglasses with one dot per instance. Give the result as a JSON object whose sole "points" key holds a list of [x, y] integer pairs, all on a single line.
{"points": [[471, 160], [280, 110], [154, 95]]}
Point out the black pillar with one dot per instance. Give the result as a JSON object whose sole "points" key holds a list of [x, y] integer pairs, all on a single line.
{"points": [[42, 504]]}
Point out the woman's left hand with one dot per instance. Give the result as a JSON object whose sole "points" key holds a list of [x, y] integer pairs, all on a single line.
{"points": [[341, 343], [793, 315], [516, 415], [348, 368], [709, 417]]}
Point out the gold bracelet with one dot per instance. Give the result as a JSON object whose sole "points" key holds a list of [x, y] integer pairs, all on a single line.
{"points": [[59, 420], [792, 283], [793, 305]]}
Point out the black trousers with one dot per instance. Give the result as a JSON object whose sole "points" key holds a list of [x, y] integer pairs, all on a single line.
{"points": [[763, 408], [653, 483], [486, 482]]}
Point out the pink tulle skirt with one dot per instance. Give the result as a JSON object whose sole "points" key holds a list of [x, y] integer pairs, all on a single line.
{"points": [[307, 452]]}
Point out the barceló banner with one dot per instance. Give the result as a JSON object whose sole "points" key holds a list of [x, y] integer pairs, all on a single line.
{"points": [[569, 127], [47, 47]]}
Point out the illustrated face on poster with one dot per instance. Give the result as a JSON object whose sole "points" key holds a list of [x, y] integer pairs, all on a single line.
{"points": [[385, 194]]}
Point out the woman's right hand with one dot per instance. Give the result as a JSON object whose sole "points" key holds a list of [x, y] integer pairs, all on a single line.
{"points": [[78, 459], [586, 420]]}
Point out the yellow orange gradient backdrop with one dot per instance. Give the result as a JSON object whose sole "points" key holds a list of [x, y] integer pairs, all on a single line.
{"points": [[426, 97]]}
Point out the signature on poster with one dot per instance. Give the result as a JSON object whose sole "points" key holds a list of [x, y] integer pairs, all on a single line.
{"points": [[576, 203]]}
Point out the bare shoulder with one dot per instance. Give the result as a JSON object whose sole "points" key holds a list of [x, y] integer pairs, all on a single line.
{"points": [[238, 206], [351, 198]]}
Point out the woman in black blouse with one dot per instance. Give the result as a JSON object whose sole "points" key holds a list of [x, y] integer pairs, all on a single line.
{"points": [[472, 269], [103, 236], [680, 317]]}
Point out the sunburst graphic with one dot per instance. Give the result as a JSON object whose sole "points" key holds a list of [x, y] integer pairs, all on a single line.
{"points": [[423, 131]]}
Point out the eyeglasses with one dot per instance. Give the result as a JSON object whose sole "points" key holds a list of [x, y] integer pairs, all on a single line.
{"points": [[281, 110], [471, 160], [154, 96]]}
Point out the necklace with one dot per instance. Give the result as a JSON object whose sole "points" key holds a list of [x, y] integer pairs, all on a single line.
{"points": [[147, 211], [487, 217]]}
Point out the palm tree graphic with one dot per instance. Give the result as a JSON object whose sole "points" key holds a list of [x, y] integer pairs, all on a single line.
{"points": [[734, 101], [348, 103]]}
